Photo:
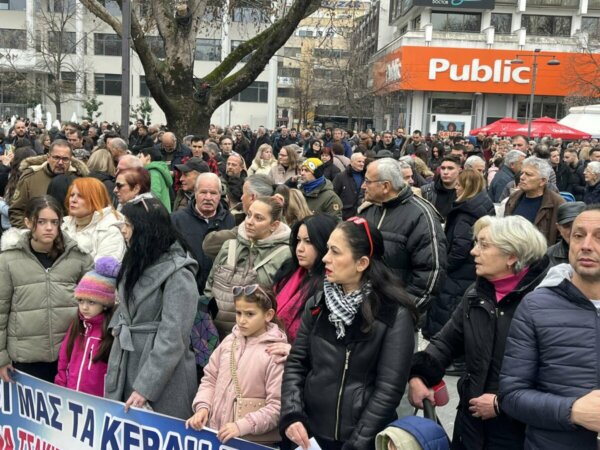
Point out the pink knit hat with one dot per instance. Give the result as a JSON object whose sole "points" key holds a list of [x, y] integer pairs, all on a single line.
{"points": [[100, 284]]}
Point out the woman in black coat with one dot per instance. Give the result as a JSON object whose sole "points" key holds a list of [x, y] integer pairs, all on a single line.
{"points": [[510, 261], [348, 367], [330, 170], [472, 203]]}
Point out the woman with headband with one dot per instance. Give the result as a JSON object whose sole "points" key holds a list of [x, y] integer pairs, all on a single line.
{"points": [[348, 367]]}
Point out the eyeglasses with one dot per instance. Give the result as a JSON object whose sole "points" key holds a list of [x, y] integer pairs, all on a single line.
{"points": [[64, 159], [365, 224], [119, 186], [247, 290], [367, 181]]}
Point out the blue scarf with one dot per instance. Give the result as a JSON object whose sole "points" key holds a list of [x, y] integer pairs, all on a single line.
{"points": [[312, 185]]}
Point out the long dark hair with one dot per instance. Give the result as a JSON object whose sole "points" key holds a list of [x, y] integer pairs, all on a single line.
{"points": [[15, 172], [385, 286], [77, 329], [32, 212], [319, 229], [153, 235]]}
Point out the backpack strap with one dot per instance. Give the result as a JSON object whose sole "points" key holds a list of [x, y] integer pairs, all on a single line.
{"points": [[231, 253], [270, 256]]}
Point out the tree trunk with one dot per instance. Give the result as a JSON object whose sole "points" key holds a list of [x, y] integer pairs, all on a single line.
{"points": [[58, 107], [189, 117]]}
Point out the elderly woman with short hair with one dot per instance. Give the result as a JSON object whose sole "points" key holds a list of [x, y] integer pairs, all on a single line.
{"points": [[592, 178], [510, 261]]}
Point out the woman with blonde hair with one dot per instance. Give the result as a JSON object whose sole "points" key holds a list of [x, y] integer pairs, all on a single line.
{"points": [[92, 221], [102, 167], [264, 161], [288, 165], [296, 208], [472, 203]]}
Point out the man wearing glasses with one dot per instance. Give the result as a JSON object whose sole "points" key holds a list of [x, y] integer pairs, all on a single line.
{"points": [[36, 178]]}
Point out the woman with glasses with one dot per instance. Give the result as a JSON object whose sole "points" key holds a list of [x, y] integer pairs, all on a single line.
{"points": [[348, 367], [92, 221], [39, 270], [150, 363], [261, 246], [315, 149], [510, 261], [288, 166], [130, 184]]}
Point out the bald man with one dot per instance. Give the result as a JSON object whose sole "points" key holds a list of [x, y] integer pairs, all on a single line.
{"points": [[172, 150]]}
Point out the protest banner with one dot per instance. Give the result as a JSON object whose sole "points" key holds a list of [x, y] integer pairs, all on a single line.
{"points": [[36, 415]]}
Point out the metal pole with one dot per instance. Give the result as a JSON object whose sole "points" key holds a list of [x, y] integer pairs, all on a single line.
{"points": [[125, 68], [534, 76]]}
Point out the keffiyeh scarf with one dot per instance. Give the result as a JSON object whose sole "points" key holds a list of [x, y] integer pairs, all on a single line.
{"points": [[343, 307]]}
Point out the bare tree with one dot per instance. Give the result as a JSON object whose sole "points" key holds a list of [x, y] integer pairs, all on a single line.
{"points": [[583, 72], [171, 81]]}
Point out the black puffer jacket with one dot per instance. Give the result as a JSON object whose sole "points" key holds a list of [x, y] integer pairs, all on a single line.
{"points": [[552, 359], [460, 272], [415, 245], [478, 330], [347, 390], [350, 195]]}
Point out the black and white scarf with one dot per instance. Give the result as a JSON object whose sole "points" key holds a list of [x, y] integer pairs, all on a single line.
{"points": [[343, 307]]}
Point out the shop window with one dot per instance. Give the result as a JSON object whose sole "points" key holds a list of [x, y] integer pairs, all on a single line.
{"points": [[542, 107], [257, 92], [107, 84], [450, 106], [208, 50], [538, 25], [459, 22], [16, 39], [502, 23], [107, 44]]}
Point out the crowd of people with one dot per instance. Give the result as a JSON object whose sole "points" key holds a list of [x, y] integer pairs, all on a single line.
{"points": [[272, 286]]}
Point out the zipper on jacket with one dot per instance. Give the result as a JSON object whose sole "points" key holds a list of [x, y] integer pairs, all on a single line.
{"points": [[339, 401], [91, 358]]}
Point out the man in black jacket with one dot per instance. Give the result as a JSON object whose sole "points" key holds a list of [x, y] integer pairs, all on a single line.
{"points": [[415, 245], [141, 140], [348, 185], [572, 179], [441, 192], [549, 376], [567, 212]]}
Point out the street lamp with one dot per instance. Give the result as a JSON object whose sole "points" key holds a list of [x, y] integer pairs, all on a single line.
{"points": [[536, 54]]}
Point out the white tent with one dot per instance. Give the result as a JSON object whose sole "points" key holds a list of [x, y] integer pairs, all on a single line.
{"points": [[584, 118]]}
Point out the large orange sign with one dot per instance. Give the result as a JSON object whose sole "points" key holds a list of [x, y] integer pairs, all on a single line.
{"points": [[477, 70]]}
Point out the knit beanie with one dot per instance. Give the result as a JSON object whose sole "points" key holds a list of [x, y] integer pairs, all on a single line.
{"points": [[100, 284], [314, 165]]}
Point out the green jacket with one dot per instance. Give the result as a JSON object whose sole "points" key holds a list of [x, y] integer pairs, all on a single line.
{"points": [[34, 181], [161, 182], [36, 305], [324, 200]]}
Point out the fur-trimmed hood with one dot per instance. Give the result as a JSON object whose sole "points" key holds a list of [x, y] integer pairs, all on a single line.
{"points": [[37, 163]]}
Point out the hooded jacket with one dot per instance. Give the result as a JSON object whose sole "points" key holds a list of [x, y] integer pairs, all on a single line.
{"points": [[101, 237], [248, 253], [324, 200], [80, 372], [151, 351], [552, 359], [36, 305], [415, 245], [350, 195], [34, 181], [258, 374], [161, 182]]}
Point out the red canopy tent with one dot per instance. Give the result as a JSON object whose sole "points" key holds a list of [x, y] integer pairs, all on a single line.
{"points": [[545, 126], [502, 128]]}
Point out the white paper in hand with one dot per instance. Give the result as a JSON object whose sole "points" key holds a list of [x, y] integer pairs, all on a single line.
{"points": [[313, 445]]}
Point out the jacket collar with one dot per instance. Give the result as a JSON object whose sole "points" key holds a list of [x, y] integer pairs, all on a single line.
{"points": [[404, 194]]}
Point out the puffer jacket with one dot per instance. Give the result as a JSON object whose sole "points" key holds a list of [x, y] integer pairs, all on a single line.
{"points": [[347, 389], [247, 254], [592, 194], [262, 167], [34, 181], [460, 273], [101, 237], [324, 200], [258, 374], [36, 305], [478, 330], [552, 358], [415, 245], [80, 372]]}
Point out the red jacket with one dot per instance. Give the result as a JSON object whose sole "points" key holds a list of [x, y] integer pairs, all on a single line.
{"points": [[80, 372]]}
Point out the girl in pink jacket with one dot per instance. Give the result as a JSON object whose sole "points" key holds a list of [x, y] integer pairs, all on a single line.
{"points": [[259, 373], [82, 361]]}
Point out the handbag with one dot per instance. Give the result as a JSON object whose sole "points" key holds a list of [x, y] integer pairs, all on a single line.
{"points": [[245, 405]]}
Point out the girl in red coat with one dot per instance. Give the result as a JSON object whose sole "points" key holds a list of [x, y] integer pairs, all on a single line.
{"points": [[82, 361]]}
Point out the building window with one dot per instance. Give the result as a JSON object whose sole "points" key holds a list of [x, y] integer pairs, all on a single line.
{"points": [[331, 53], [68, 82], [542, 107], [13, 5], [460, 22], [416, 23], [16, 39], [144, 91], [61, 6], [208, 50], [249, 15], [62, 42], [111, 6], [292, 52], [107, 44], [591, 25], [537, 25], [502, 23], [290, 72], [306, 33], [107, 84], [285, 92], [257, 92], [157, 46], [236, 44], [403, 30]]}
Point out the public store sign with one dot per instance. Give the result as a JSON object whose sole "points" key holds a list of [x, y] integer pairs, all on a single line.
{"points": [[475, 70], [457, 4]]}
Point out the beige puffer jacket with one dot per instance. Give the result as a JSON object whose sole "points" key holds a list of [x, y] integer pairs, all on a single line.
{"points": [[36, 305]]}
